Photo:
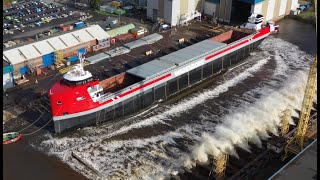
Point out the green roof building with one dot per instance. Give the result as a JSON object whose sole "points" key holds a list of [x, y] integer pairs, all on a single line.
{"points": [[120, 30]]}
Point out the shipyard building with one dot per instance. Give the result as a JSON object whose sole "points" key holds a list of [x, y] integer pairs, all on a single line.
{"points": [[45, 53], [174, 12]]}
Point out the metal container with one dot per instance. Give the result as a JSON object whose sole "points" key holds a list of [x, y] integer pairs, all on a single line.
{"points": [[38, 71]]}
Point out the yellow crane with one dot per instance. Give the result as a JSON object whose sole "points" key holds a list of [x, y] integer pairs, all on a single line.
{"points": [[296, 144]]}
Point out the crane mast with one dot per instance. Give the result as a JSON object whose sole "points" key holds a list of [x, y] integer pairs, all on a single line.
{"points": [[296, 144]]}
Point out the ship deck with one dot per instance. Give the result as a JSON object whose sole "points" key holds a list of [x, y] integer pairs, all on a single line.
{"points": [[137, 56]]}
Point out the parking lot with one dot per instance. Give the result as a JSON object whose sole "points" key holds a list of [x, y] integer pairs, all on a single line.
{"points": [[21, 15]]}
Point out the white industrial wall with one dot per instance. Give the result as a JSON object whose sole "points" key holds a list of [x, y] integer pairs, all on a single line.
{"points": [[294, 4], [175, 10], [271, 5], [209, 8], [282, 9], [150, 6], [256, 8], [7, 81], [191, 6]]}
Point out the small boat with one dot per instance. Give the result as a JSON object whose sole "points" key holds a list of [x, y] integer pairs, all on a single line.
{"points": [[11, 137]]}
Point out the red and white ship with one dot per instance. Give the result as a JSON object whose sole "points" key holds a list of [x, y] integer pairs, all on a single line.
{"points": [[80, 100]]}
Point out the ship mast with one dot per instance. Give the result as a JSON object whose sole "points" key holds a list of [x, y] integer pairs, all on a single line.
{"points": [[81, 59]]}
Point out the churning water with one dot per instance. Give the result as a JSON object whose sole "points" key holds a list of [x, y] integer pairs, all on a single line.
{"points": [[243, 106]]}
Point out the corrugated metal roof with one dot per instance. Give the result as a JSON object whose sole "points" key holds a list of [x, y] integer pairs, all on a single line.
{"points": [[69, 40], [135, 44], [120, 30], [5, 62], [14, 56], [152, 38], [83, 35], [192, 52], [43, 47], [97, 58], [151, 69], [5, 58], [56, 43], [97, 32], [40, 48], [118, 51], [29, 51]]}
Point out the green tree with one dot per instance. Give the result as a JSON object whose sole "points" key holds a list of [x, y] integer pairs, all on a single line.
{"points": [[95, 4]]}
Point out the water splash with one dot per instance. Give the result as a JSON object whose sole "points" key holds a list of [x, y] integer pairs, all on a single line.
{"points": [[253, 122], [151, 157]]}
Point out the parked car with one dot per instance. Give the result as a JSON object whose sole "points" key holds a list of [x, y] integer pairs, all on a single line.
{"points": [[38, 23]]}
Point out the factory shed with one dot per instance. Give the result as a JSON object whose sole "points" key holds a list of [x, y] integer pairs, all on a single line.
{"points": [[135, 44], [14, 56], [97, 58], [192, 52], [152, 38], [96, 32], [118, 51], [120, 30], [42, 53], [43, 47], [151, 69]]}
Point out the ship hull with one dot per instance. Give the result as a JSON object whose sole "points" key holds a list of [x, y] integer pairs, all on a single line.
{"points": [[161, 91]]}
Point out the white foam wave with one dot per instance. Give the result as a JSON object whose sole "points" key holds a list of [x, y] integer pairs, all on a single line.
{"points": [[253, 122], [189, 103]]}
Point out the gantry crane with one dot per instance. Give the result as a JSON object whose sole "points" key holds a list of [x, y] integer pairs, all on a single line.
{"points": [[296, 144]]}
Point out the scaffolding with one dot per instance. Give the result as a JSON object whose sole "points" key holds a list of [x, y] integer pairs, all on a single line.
{"points": [[58, 57], [297, 143], [68, 68]]}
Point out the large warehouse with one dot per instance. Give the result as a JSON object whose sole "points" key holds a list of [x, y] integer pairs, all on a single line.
{"points": [[44, 53], [225, 10], [239, 10], [172, 11]]}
